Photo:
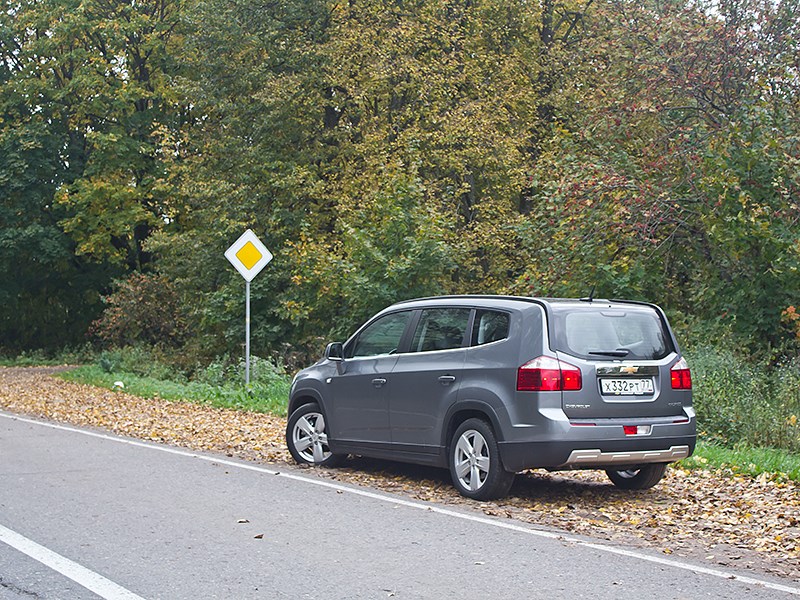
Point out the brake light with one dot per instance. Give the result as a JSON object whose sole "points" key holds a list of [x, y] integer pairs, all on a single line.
{"points": [[681, 376], [546, 374]]}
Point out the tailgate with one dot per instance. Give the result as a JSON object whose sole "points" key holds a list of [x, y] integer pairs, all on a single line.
{"points": [[627, 389]]}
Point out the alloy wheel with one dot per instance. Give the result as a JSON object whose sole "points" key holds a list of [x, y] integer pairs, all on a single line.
{"points": [[472, 460], [310, 439]]}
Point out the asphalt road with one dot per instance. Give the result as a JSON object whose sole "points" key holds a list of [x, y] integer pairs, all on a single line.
{"points": [[81, 511]]}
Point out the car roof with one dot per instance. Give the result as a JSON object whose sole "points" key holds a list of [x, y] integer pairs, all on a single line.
{"points": [[472, 300], [509, 302]]}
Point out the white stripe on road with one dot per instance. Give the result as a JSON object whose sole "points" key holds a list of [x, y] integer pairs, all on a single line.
{"points": [[92, 581], [428, 507]]}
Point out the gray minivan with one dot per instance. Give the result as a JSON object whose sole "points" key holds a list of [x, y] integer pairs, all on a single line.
{"points": [[488, 386]]}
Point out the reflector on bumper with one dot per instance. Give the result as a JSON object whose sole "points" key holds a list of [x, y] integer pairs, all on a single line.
{"points": [[637, 429]]}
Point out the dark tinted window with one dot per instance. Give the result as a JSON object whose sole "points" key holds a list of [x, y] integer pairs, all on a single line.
{"points": [[611, 333], [381, 337], [490, 326], [440, 329]]}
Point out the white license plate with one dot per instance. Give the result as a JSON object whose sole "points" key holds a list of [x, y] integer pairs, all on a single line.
{"points": [[626, 387]]}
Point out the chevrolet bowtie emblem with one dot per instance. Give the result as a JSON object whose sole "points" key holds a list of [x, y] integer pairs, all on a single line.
{"points": [[629, 370]]}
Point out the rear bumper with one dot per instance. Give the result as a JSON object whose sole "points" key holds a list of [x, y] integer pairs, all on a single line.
{"points": [[596, 454], [597, 458]]}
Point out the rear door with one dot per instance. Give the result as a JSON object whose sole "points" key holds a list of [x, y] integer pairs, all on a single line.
{"points": [[624, 353], [425, 379]]}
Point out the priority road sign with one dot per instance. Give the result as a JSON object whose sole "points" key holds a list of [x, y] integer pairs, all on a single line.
{"points": [[248, 255]]}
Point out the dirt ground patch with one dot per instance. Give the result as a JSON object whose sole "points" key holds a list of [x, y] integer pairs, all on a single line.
{"points": [[709, 516]]}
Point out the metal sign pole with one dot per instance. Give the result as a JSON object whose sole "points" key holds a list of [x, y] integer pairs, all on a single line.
{"points": [[247, 333]]}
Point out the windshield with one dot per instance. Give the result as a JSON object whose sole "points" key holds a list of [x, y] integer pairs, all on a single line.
{"points": [[604, 333]]}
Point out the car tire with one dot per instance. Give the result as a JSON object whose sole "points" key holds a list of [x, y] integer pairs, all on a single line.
{"points": [[638, 478], [475, 464], [307, 438]]}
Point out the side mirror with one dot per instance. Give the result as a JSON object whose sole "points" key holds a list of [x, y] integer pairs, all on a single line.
{"points": [[334, 351]]}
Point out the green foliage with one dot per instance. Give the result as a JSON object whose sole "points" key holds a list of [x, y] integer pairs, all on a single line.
{"points": [[259, 397], [750, 232], [48, 296], [378, 169], [81, 111], [40, 357], [387, 246], [148, 373], [107, 64], [675, 176], [740, 403]]}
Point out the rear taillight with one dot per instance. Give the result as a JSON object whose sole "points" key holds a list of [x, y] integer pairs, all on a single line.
{"points": [[681, 376], [546, 374]]}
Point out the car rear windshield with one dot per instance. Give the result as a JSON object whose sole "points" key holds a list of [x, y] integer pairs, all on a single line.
{"points": [[610, 333]]}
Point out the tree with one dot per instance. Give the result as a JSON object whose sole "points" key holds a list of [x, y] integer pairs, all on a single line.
{"points": [[83, 111], [382, 148], [677, 176], [47, 295], [95, 71]]}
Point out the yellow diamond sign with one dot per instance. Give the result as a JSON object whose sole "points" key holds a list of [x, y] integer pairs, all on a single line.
{"points": [[248, 255]]}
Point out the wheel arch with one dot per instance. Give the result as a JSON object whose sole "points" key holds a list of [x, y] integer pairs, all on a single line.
{"points": [[462, 411], [303, 397]]}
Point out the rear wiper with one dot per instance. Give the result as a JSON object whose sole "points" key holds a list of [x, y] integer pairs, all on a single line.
{"points": [[621, 353]]}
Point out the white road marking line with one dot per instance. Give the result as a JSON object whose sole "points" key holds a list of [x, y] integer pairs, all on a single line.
{"points": [[94, 582], [429, 508]]}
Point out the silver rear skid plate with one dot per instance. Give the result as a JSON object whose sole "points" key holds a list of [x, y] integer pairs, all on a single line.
{"points": [[596, 458]]}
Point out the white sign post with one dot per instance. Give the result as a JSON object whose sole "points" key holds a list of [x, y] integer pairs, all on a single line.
{"points": [[248, 255]]}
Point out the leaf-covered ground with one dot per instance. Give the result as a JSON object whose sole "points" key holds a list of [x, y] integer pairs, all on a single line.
{"points": [[713, 517]]}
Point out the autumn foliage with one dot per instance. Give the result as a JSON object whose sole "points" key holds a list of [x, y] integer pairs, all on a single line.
{"points": [[646, 150], [141, 309]]}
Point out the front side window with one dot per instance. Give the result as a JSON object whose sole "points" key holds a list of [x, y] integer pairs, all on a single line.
{"points": [[440, 329], [381, 337]]}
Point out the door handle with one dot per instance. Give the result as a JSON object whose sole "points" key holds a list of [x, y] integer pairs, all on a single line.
{"points": [[378, 382], [447, 379]]}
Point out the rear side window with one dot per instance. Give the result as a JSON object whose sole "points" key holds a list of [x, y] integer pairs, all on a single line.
{"points": [[611, 333], [490, 326], [440, 329]]}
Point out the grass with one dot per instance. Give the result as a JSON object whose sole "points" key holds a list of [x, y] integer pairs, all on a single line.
{"points": [[269, 396], [752, 462]]}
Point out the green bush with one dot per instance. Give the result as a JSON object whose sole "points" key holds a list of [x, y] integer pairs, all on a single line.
{"points": [[151, 372], [139, 360], [33, 358], [786, 383], [745, 403], [226, 369]]}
